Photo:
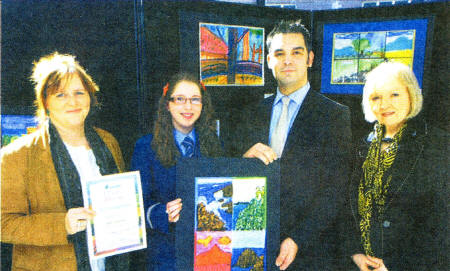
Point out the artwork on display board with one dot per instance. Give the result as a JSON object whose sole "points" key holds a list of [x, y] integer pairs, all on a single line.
{"points": [[351, 50], [231, 55], [230, 218], [14, 126], [230, 222]]}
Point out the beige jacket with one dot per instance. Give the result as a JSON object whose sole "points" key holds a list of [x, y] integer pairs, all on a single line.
{"points": [[32, 205]]}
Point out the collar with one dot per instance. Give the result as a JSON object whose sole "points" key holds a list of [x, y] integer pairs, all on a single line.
{"points": [[179, 136], [297, 96]]}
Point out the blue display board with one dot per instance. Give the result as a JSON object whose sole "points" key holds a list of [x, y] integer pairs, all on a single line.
{"points": [[351, 50]]}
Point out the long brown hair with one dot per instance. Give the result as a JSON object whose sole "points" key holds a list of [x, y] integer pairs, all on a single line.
{"points": [[163, 142]]}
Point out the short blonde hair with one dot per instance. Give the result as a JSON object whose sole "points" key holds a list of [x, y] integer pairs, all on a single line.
{"points": [[404, 75], [53, 71]]}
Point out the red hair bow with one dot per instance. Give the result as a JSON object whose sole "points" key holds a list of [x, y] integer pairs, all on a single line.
{"points": [[165, 89], [203, 86]]}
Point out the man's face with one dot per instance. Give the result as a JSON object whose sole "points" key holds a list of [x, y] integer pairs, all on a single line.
{"points": [[289, 60]]}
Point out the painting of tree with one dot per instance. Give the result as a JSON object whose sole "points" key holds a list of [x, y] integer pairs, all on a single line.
{"points": [[360, 45], [231, 55], [357, 53]]}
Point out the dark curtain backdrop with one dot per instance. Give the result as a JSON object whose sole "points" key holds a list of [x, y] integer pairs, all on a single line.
{"points": [[131, 50]]}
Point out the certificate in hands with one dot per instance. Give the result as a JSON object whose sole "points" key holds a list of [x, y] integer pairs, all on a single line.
{"points": [[119, 224]]}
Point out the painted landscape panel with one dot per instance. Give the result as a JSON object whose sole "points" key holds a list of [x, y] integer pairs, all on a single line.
{"points": [[357, 53], [230, 224], [231, 55]]}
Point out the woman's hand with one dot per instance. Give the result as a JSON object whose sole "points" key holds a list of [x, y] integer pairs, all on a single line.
{"points": [[77, 219], [379, 262], [367, 263], [173, 209]]}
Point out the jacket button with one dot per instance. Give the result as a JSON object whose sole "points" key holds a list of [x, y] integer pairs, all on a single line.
{"points": [[386, 224]]}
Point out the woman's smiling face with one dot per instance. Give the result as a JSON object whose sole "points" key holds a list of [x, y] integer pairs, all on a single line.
{"points": [[390, 103], [69, 106]]}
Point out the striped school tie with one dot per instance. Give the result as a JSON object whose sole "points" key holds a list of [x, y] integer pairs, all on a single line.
{"points": [[188, 145]]}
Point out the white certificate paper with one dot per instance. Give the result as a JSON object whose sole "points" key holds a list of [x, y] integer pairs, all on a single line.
{"points": [[119, 224]]}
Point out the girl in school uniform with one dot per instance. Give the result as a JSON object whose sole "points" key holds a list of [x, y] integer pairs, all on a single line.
{"points": [[184, 127]]}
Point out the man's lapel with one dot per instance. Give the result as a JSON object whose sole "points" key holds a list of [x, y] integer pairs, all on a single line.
{"points": [[304, 128]]}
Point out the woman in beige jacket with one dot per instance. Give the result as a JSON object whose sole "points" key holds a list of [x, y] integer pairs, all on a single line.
{"points": [[41, 173]]}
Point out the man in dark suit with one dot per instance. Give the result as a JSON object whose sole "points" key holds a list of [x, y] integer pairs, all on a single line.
{"points": [[311, 135]]}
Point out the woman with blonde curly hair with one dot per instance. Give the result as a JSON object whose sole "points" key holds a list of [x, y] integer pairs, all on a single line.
{"points": [[399, 197]]}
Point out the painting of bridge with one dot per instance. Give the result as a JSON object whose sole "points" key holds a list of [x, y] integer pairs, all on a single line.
{"points": [[231, 55]]}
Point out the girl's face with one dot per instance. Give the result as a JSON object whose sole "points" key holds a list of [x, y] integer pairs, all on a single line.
{"points": [[185, 106]]}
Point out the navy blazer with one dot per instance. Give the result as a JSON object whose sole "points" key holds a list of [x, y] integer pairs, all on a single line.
{"points": [[314, 171], [158, 188]]}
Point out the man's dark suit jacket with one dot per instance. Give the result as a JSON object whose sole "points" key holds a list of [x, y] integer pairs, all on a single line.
{"points": [[314, 173]]}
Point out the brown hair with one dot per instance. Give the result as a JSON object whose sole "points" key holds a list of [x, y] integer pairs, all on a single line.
{"points": [[51, 73], [163, 142]]}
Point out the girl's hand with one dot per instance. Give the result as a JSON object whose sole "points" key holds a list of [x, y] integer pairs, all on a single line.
{"points": [[173, 209]]}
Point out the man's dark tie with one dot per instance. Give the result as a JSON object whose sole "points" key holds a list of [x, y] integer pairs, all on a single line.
{"points": [[188, 145]]}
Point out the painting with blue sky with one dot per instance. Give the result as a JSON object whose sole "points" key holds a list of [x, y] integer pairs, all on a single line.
{"points": [[351, 50], [214, 206], [356, 54]]}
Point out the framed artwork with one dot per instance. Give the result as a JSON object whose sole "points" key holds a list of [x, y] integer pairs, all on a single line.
{"points": [[351, 50], [14, 126], [230, 217], [231, 55]]}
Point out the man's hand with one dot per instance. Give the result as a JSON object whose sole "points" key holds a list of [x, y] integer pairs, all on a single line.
{"points": [[262, 152], [288, 251]]}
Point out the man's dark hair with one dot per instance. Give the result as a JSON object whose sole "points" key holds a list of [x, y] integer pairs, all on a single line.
{"points": [[286, 27]]}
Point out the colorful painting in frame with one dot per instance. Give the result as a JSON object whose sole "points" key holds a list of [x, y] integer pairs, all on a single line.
{"points": [[231, 55], [351, 50], [230, 217], [15, 126], [230, 223]]}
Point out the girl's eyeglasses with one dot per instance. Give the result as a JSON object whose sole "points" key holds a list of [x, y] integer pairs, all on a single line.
{"points": [[183, 100]]}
